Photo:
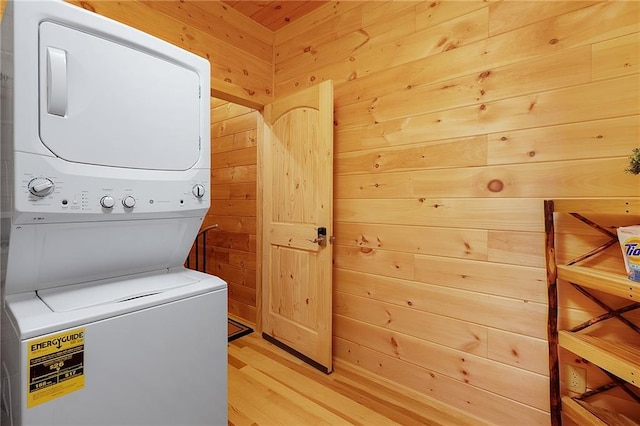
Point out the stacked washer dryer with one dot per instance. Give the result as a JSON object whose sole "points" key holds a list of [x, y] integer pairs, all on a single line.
{"points": [[105, 155]]}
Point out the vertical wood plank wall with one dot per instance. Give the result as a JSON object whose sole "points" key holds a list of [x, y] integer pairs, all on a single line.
{"points": [[239, 49], [453, 121], [232, 246]]}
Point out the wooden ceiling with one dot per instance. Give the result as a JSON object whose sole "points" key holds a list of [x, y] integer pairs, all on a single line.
{"points": [[274, 14]]}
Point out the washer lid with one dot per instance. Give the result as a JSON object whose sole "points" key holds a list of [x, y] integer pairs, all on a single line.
{"points": [[31, 317], [111, 104], [71, 298]]}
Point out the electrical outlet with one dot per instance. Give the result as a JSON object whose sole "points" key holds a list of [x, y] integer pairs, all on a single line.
{"points": [[576, 378]]}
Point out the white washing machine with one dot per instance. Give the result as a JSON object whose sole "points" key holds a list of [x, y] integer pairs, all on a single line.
{"points": [[105, 161], [99, 354]]}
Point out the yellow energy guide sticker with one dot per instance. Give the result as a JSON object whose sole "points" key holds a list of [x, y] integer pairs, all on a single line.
{"points": [[55, 366]]}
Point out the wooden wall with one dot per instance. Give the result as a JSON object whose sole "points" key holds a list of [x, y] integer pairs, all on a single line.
{"points": [[453, 121], [239, 50], [232, 246]]}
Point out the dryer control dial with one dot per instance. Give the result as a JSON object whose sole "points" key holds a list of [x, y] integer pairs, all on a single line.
{"points": [[41, 187], [198, 190], [129, 202], [107, 202]]}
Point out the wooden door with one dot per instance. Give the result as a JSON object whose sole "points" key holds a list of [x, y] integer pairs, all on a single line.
{"points": [[297, 164]]}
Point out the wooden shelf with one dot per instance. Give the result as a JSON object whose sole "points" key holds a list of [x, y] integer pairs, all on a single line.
{"points": [[611, 283], [585, 414], [620, 359], [613, 206]]}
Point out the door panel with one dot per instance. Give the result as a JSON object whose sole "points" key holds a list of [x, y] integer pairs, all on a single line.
{"points": [[298, 200], [294, 235], [122, 107]]}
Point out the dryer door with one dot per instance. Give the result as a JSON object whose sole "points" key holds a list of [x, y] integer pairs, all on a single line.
{"points": [[106, 103]]}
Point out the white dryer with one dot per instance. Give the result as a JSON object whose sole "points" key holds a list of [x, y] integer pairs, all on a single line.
{"points": [[105, 161]]}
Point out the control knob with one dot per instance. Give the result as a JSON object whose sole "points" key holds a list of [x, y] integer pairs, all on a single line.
{"points": [[107, 202], [128, 202], [41, 187], [198, 190]]}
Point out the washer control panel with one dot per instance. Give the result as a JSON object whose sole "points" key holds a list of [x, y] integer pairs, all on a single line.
{"points": [[50, 196], [54, 193]]}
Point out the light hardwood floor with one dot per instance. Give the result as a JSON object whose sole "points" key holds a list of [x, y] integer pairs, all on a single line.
{"points": [[267, 386]]}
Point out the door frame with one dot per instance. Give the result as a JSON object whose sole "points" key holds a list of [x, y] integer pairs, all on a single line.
{"points": [[260, 138], [259, 108]]}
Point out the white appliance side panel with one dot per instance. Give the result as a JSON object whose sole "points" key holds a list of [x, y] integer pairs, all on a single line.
{"points": [[109, 104], [51, 255], [166, 365]]}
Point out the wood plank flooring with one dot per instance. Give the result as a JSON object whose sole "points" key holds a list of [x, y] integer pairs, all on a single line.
{"points": [[267, 386]]}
